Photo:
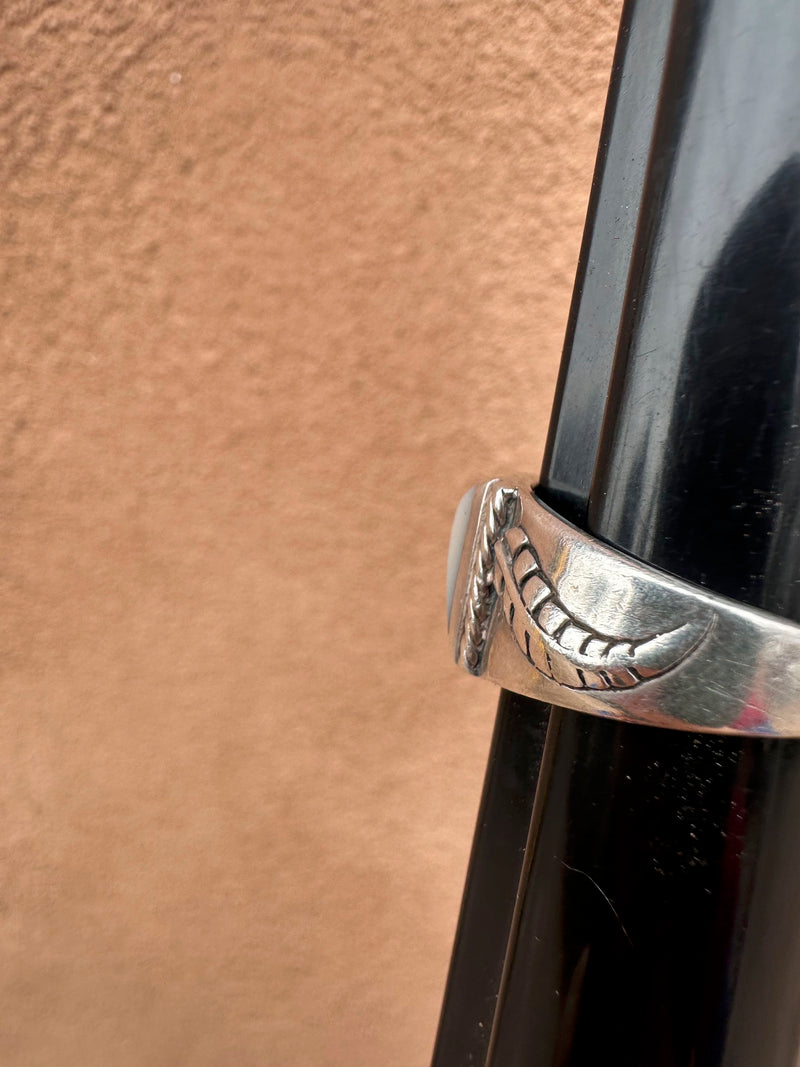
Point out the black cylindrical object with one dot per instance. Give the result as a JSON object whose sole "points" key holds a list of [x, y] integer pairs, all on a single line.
{"points": [[657, 922], [659, 917]]}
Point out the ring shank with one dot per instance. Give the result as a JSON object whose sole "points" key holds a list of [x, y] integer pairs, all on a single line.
{"points": [[546, 610]]}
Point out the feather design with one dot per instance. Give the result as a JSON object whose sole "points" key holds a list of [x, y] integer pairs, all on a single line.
{"points": [[562, 647]]}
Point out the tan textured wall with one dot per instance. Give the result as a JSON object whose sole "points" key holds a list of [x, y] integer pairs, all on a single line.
{"points": [[277, 281]]}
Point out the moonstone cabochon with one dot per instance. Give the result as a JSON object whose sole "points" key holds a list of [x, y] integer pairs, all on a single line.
{"points": [[457, 535]]}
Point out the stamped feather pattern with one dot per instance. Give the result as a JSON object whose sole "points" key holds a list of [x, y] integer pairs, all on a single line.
{"points": [[564, 648]]}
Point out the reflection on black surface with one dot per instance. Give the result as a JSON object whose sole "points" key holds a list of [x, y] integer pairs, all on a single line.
{"points": [[734, 423], [659, 921]]}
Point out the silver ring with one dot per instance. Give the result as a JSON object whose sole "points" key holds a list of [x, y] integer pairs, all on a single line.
{"points": [[546, 610]]}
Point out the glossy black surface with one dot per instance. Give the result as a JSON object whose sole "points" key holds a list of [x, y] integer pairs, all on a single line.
{"points": [[700, 453], [492, 881], [602, 274], [659, 923], [660, 911]]}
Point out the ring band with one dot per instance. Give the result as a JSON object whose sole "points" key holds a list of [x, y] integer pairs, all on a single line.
{"points": [[548, 611]]}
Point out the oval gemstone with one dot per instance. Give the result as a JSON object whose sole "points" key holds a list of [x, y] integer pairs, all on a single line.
{"points": [[457, 537]]}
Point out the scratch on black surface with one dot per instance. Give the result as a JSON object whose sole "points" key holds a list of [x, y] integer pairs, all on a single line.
{"points": [[605, 896]]}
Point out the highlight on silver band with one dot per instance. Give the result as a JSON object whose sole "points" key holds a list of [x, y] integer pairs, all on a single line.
{"points": [[568, 649], [546, 610]]}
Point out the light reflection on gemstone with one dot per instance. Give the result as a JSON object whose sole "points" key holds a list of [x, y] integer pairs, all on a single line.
{"points": [[457, 536]]}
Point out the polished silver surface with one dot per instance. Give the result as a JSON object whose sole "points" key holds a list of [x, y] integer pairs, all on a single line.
{"points": [[546, 610]]}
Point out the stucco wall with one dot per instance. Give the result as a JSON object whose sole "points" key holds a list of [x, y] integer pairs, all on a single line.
{"points": [[278, 280]]}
